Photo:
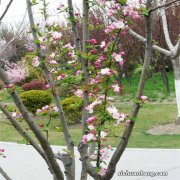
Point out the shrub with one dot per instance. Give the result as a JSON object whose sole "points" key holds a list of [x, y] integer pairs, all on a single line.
{"points": [[35, 99], [33, 85], [72, 108]]}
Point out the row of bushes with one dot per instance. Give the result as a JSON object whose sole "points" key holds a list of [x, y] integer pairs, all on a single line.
{"points": [[36, 99]]}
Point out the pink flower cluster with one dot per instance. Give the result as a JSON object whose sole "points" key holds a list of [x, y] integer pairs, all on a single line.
{"points": [[47, 108], [119, 117]]}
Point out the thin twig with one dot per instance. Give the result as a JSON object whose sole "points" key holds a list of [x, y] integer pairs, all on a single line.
{"points": [[6, 10]]}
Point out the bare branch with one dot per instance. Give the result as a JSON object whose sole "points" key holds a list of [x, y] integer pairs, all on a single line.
{"points": [[165, 30], [17, 35], [40, 136], [164, 5], [4, 174], [177, 49], [6, 10], [21, 130]]}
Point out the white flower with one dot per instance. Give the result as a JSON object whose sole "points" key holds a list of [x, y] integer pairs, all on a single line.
{"points": [[117, 57], [35, 61], [91, 127], [119, 25], [103, 44], [103, 134], [90, 137], [105, 71]]}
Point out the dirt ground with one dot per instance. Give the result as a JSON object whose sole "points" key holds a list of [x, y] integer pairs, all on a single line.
{"points": [[165, 129]]}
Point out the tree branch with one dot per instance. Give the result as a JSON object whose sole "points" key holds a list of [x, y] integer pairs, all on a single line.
{"points": [[22, 131], [40, 136], [124, 141], [137, 36], [6, 10], [165, 30], [164, 5], [177, 48], [4, 174], [67, 136]]}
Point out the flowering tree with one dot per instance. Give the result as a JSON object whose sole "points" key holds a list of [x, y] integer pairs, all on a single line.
{"points": [[96, 64]]}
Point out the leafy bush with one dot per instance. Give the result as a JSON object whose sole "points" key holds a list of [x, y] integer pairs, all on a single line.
{"points": [[33, 85], [72, 108], [35, 99]]}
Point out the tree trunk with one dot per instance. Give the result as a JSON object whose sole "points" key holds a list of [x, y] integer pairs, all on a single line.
{"points": [[176, 66]]}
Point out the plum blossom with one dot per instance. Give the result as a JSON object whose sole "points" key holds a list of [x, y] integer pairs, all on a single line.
{"points": [[105, 153], [116, 88], [92, 41], [88, 137], [91, 119], [79, 93], [103, 44], [103, 171], [117, 57], [91, 127], [56, 35]]}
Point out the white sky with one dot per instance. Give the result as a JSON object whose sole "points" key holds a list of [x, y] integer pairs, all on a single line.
{"points": [[18, 8]]}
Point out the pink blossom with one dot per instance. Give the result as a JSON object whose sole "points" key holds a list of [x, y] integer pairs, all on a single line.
{"points": [[60, 6], [78, 72], [105, 153], [68, 46], [92, 41], [91, 119], [88, 137], [103, 134], [61, 76], [110, 12], [91, 127], [144, 97], [45, 107], [103, 44], [116, 88], [56, 35], [54, 62], [117, 57], [79, 93], [103, 171]]}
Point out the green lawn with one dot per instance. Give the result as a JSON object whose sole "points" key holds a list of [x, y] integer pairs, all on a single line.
{"points": [[150, 115]]}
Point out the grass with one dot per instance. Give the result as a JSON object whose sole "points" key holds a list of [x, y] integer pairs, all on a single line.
{"points": [[154, 88], [150, 115]]}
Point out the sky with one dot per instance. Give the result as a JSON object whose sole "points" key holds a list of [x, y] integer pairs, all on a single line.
{"points": [[17, 10]]}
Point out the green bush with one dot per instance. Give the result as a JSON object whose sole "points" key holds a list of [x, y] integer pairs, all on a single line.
{"points": [[35, 99], [72, 108]]}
